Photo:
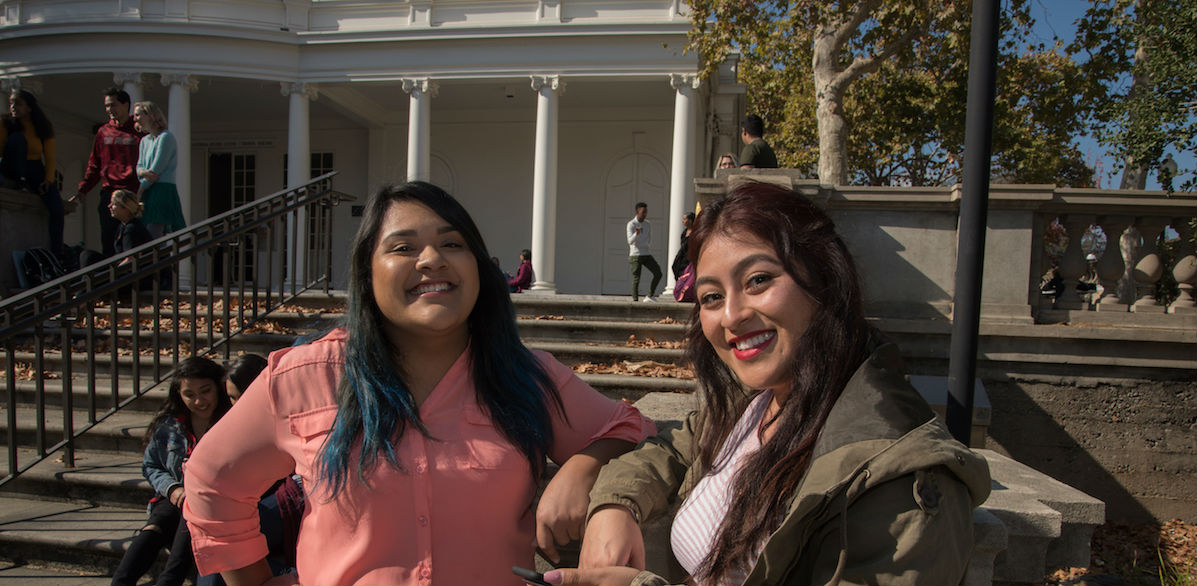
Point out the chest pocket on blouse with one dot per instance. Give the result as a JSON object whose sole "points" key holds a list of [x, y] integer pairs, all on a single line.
{"points": [[312, 427], [487, 449]]}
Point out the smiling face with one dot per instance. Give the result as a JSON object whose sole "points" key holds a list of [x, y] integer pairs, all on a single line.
{"points": [[116, 109], [424, 276], [200, 397], [752, 311], [143, 121]]}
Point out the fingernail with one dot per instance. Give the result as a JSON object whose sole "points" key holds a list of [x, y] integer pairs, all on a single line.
{"points": [[553, 576]]}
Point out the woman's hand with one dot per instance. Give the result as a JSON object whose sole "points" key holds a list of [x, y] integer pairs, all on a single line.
{"points": [[148, 175], [612, 538], [609, 576], [176, 496], [561, 513]]}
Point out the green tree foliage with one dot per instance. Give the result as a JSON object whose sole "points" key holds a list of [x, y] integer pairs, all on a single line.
{"points": [[903, 115], [1142, 54]]}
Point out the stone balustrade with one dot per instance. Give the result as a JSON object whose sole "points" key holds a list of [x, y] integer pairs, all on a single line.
{"points": [[904, 241]]}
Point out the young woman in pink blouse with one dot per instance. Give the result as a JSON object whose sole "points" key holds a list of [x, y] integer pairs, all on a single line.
{"points": [[420, 427]]}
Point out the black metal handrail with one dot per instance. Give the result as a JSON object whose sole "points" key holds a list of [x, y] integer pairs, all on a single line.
{"points": [[180, 271]]}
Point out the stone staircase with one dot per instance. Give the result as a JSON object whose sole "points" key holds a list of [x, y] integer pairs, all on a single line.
{"points": [[63, 525]]}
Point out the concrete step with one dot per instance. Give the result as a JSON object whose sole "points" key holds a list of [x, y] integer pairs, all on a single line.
{"points": [[27, 394], [572, 353], [32, 574], [65, 538], [120, 432], [600, 307], [598, 331], [99, 478]]}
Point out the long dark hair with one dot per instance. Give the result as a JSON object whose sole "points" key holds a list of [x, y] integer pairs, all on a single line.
{"points": [[41, 124], [373, 401], [173, 406], [833, 347]]}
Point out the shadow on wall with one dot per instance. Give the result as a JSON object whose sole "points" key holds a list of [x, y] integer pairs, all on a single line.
{"points": [[1132, 447], [902, 258]]}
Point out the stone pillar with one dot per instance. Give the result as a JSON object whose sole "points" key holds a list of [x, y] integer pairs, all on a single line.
{"points": [[130, 81], [419, 133], [544, 183], [299, 171], [178, 113], [1147, 267], [681, 176], [1111, 267]]}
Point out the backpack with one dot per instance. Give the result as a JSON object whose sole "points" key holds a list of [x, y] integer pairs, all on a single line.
{"points": [[40, 266], [683, 289]]}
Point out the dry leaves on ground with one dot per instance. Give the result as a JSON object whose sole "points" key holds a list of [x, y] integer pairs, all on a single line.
{"points": [[1134, 554], [649, 342], [649, 368], [667, 320], [25, 371], [545, 317]]}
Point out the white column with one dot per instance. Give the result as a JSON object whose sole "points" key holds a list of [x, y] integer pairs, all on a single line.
{"points": [[544, 183], [178, 114], [130, 81], [419, 141], [681, 177], [299, 171]]}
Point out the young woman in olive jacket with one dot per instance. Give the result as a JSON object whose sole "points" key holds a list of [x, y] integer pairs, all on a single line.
{"points": [[812, 460]]}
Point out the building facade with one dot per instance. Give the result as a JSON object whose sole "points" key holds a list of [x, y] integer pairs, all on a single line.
{"points": [[548, 119]]}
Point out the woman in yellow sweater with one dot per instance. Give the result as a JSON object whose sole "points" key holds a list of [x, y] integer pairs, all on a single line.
{"points": [[28, 163]]}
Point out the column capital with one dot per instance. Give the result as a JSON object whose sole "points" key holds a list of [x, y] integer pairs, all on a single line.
{"points": [[307, 90], [123, 77], [423, 85], [185, 80], [680, 81], [552, 82]]}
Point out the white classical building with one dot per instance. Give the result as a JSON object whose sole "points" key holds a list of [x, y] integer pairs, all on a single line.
{"points": [[548, 119]]}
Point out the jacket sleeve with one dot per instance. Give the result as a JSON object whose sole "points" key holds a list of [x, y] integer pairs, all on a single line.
{"points": [[897, 534], [239, 458], [155, 463], [648, 478]]}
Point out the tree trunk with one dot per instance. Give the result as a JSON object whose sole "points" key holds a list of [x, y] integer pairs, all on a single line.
{"points": [[1134, 173], [829, 112]]}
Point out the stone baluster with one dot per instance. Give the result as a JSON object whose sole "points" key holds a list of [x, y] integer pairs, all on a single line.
{"points": [[1148, 267], [1111, 267], [1072, 263], [1185, 270]]}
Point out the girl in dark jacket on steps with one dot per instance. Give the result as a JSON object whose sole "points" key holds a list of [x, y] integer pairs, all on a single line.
{"points": [[197, 400]]}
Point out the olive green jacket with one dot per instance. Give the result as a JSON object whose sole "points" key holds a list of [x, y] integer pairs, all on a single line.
{"points": [[888, 498]]}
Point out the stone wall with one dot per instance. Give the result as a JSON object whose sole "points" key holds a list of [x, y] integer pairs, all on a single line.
{"points": [[1130, 443]]}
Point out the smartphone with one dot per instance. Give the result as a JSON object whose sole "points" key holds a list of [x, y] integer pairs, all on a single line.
{"points": [[530, 576]]}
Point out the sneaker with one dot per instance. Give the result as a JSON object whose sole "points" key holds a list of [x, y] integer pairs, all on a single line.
{"points": [[650, 299]]}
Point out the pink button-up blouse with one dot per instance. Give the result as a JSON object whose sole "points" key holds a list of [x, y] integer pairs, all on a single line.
{"points": [[461, 514]]}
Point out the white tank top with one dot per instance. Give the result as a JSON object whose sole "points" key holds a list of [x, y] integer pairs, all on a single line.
{"points": [[697, 521]]}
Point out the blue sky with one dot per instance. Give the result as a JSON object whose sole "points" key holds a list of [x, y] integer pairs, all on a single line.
{"points": [[1058, 18]]}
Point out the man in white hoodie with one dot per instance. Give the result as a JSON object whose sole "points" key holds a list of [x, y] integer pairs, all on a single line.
{"points": [[640, 238]]}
